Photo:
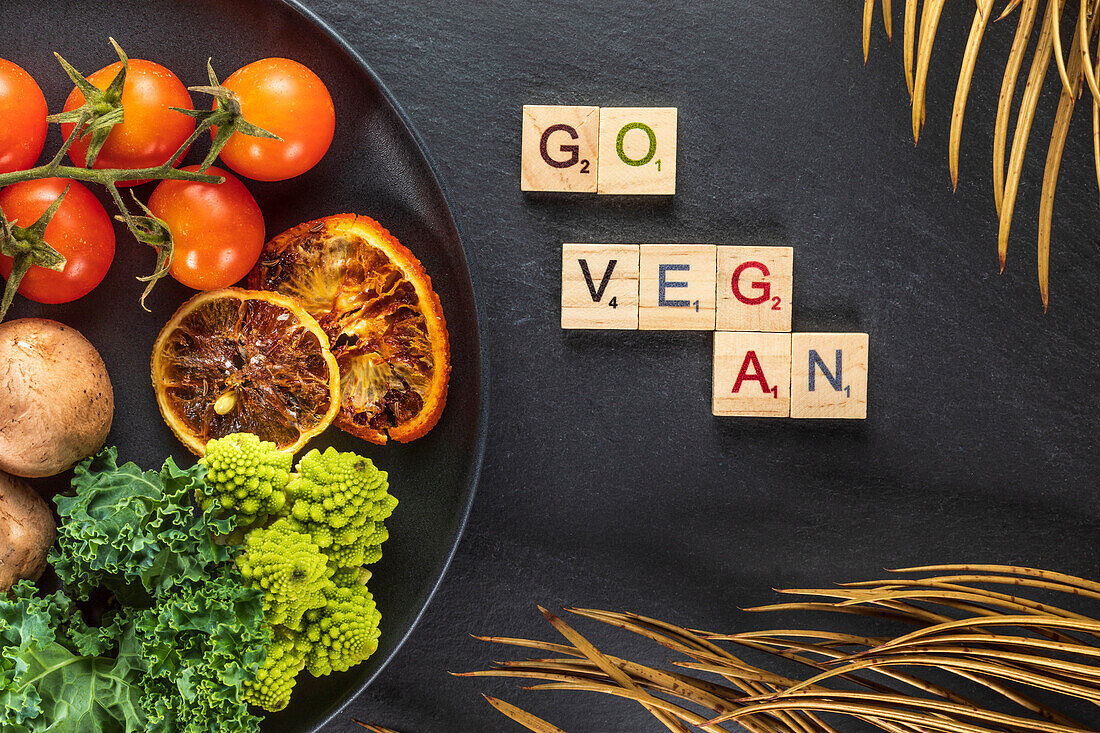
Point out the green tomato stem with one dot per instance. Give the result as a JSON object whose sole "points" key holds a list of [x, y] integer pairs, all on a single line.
{"points": [[117, 198], [77, 129], [109, 177], [27, 246], [105, 176], [19, 268]]}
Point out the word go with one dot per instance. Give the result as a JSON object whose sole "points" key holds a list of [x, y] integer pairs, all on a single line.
{"points": [[608, 150]]}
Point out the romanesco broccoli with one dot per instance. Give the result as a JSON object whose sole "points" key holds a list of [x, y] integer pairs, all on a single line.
{"points": [[343, 633], [277, 675], [247, 476], [290, 570], [351, 576], [341, 500], [309, 562]]}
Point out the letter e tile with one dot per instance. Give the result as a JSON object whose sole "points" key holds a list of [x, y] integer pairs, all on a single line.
{"points": [[676, 287]]}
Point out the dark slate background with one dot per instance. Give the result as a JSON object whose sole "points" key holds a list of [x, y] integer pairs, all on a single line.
{"points": [[607, 482]]}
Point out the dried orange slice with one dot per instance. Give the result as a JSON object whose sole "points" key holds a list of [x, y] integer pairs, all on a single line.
{"points": [[232, 361], [375, 301]]}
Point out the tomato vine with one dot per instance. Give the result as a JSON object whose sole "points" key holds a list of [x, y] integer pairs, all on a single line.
{"points": [[101, 111]]}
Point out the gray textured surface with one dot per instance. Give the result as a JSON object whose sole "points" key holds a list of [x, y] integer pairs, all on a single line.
{"points": [[607, 483]]}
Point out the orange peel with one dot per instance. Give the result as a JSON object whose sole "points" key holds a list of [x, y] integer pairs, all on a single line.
{"points": [[234, 360], [375, 301]]}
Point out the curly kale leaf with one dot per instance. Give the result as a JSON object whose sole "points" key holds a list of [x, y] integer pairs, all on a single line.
{"points": [[82, 694], [203, 642], [134, 532], [47, 686], [180, 666], [188, 636]]}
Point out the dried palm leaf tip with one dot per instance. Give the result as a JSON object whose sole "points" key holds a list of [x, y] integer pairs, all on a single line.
{"points": [[1075, 68], [1029, 661], [371, 727]]}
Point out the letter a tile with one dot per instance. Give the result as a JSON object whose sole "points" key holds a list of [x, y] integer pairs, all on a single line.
{"points": [[677, 287], [599, 286], [752, 374], [559, 148], [754, 288], [829, 375]]}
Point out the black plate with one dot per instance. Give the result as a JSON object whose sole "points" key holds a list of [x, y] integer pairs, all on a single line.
{"points": [[377, 166]]}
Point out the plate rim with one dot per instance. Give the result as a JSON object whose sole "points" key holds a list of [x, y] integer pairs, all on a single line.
{"points": [[311, 16]]}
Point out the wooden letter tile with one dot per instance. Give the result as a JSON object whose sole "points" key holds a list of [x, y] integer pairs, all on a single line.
{"points": [[752, 374], [677, 287], [599, 286], [559, 148], [638, 150], [829, 375], [754, 288]]}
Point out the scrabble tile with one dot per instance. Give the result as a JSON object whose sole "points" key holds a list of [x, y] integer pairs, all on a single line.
{"points": [[638, 150], [676, 287], [599, 286], [754, 288], [752, 374], [829, 375], [559, 148]]}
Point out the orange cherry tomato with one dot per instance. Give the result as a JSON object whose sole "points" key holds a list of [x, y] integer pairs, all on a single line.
{"points": [[287, 99], [23, 111], [150, 131], [217, 229], [80, 230]]}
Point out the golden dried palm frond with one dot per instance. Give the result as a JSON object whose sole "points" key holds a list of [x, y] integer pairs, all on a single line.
{"points": [[971, 645], [1075, 68]]}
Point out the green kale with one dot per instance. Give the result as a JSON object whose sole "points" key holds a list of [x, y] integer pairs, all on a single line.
{"points": [[48, 686], [187, 638], [202, 643], [136, 533]]}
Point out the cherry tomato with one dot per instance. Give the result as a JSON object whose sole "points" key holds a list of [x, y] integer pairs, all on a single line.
{"points": [[287, 99], [217, 229], [150, 132], [23, 111], [80, 230]]}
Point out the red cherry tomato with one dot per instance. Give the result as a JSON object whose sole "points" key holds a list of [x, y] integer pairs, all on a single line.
{"points": [[217, 229], [287, 99], [150, 132], [80, 230], [23, 115]]}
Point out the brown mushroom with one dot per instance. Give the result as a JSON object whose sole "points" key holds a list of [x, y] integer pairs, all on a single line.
{"points": [[27, 532], [56, 402]]}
